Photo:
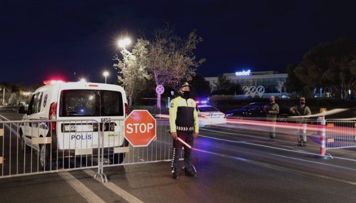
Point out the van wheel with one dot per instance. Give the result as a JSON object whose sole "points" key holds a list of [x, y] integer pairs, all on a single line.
{"points": [[47, 159]]}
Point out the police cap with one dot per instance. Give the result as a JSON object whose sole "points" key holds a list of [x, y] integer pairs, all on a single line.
{"points": [[184, 84]]}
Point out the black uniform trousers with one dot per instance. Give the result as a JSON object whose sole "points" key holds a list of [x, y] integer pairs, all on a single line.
{"points": [[177, 150]]}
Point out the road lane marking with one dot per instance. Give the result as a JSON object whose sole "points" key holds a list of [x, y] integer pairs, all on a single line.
{"points": [[85, 192], [314, 162], [318, 175], [220, 139], [283, 149], [116, 189], [260, 145], [281, 168], [261, 138]]}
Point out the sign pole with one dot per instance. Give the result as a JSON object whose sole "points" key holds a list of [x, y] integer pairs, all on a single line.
{"points": [[159, 92]]}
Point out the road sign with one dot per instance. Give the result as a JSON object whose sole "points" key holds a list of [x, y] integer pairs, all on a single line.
{"points": [[159, 89], [140, 128]]}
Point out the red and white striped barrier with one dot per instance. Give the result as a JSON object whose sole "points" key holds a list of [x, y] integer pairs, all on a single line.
{"points": [[322, 132]]}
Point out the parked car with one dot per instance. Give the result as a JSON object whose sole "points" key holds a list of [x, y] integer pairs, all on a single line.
{"points": [[255, 109], [210, 115]]}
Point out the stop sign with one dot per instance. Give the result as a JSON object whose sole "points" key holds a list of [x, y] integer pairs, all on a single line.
{"points": [[140, 128]]}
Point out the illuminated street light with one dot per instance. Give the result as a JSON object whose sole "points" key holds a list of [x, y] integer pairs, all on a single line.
{"points": [[106, 74], [124, 42]]}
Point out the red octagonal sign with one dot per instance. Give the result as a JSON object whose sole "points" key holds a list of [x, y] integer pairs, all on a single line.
{"points": [[140, 128]]}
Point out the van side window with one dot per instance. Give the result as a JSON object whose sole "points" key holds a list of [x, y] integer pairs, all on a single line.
{"points": [[35, 104], [30, 106], [39, 102]]}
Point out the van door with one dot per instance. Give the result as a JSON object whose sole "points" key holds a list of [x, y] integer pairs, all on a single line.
{"points": [[83, 105], [31, 128]]}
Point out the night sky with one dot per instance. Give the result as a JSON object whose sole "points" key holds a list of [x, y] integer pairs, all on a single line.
{"points": [[41, 39]]}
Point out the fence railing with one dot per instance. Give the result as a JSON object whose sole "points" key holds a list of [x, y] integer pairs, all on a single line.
{"points": [[329, 134], [46, 146]]}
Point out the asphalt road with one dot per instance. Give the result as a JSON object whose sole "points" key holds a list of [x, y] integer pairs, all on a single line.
{"points": [[236, 163]]}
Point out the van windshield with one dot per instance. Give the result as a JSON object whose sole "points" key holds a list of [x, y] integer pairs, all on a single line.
{"points": [[90, 103]]}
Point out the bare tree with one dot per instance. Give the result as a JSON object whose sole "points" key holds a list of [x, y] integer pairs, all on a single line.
{"points": [[132, 72], [172, 59], [168, 59]]}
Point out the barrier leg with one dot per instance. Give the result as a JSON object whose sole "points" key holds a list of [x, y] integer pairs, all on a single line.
{"points": [[323, 142], [100, 174], [322, 132]]}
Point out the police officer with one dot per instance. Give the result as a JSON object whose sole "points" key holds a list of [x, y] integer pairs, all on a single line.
{"points": [[183, 120], [301, 110], [272, 111]]}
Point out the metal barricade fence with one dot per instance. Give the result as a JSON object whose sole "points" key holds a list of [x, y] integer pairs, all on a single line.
{"points": [[340, 134], [43, 146], [329, 134], [47, 146], [121, 152]]}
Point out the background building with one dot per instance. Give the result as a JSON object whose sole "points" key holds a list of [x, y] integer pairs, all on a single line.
{"points": [[255, 84]]}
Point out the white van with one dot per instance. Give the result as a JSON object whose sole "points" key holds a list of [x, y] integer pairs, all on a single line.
{"points": [[80, 112]]}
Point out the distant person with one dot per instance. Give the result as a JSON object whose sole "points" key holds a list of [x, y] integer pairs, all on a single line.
{"points": [[272, 111], [301, 110], [184, 124]]}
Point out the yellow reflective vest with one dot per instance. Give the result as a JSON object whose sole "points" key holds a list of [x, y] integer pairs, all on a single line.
{"points": [[183, 115]]}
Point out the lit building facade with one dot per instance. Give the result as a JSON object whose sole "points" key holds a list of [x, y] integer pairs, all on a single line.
{"points": [[256, 84]]}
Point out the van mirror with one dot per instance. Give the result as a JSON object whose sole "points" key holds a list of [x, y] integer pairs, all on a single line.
{"points": [[22, 110]]}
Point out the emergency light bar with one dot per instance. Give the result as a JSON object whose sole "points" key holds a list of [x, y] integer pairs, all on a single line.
{"points": [[50, 82]]}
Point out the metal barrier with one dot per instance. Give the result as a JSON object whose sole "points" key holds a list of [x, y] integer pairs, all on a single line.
{"points": [[158, 150], [47, 146], [340, 134], [329, 134], [43, 146]]}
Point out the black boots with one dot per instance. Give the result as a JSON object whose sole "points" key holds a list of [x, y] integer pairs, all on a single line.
{"points": [[191, 172]]}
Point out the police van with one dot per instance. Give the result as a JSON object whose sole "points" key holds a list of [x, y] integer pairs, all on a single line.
{"points": [[69, 119]]}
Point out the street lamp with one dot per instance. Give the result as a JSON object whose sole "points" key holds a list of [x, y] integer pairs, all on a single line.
{"points": [[106, 74], [124, 42]]}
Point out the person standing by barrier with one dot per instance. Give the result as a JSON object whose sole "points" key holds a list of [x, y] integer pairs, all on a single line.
{"points": [[301, 110], [183, 120], [272, 111]]}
